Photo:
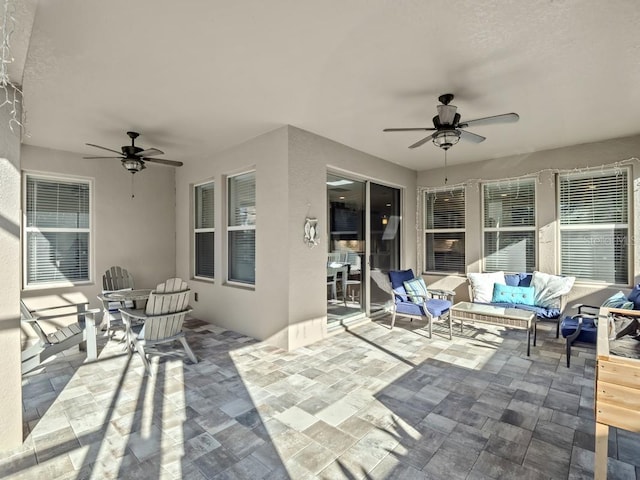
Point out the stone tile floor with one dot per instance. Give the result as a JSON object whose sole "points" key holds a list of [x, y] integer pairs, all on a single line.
{"points": [[367, 403]]}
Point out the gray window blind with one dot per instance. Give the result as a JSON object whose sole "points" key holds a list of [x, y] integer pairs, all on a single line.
{"points": [[509, 223], [204, 230], [241, 228], [57, 230], [444, 219], [594, 225]]}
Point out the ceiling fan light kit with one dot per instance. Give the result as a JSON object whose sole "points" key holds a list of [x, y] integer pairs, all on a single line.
{"points": [[133, 158], [447, 125], [446, 139]]}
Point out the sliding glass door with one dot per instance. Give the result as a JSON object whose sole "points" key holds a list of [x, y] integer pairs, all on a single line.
{"points": [[346, 247], [364, 234], [384, 238]]}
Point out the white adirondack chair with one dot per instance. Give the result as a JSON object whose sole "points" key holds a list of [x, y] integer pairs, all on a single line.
{"points": [[163, 317], [115, 278], [63, 338]]}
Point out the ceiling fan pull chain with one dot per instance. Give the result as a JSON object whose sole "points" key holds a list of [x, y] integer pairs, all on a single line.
{"points": [[445, 167], [132, 195]]}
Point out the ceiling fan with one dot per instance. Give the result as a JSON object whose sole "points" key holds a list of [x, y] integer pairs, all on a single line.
{"points": [[447, 127], [133, 158]]}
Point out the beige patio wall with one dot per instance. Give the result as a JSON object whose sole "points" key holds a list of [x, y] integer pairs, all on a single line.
{"points": [[136, 233], [569, 158], [10, 387], [288, 305]]}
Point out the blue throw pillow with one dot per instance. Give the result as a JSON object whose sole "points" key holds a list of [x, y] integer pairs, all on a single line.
{"points": [[416, 286], [515, 295], [619, 300], [398, 277], [634, 297]]}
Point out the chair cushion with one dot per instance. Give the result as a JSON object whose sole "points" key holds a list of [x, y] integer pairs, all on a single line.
{"points": [[588, 332], [416, 286], [634, 297], [398, 277], [482, 285], [436, 307], [509, 294], [619, 300]]}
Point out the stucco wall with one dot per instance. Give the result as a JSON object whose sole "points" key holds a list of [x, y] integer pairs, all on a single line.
{"points": [[547, 162], [135, 233], [10, 372], [288, 305], [260, 312]]}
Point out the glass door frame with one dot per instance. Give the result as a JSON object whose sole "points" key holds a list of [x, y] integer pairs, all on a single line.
{"points": [[366, 263]]}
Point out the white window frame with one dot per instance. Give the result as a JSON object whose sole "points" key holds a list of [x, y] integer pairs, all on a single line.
{"points": [[529, 228], [598, 226], [238, 228], [31, 229], [196, 231], [427, 231]]}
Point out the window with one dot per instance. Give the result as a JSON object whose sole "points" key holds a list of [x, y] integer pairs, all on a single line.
{"points": [[242, 228], [594, 225], [204, 231], [57, 230], [444, 232], [509, 225]]}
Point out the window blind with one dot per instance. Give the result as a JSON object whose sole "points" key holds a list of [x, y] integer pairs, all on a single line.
{"points": [[444, 221], [594, 225], [509, 221], [57, 230], [204, 230], [241, 228]]}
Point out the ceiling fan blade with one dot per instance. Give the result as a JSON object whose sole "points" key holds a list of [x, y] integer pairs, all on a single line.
{"points": [[504, 118], [119, 158], [163, 161], [422, 142], [104, 148], [418, 129], [472, 137], [149, 152]]}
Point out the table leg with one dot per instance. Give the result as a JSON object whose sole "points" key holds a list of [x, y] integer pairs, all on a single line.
{"points": [[602, 451], [91, 335], [529, 341]]}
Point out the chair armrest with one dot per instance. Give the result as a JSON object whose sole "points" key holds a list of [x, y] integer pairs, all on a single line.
{"points": [[575, 334], [37, 317], [128, 313], [448, 294], [582, 307]]}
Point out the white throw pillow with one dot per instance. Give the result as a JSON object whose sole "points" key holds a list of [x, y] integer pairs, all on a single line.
{"points": [[549, 288], [482, 285]]}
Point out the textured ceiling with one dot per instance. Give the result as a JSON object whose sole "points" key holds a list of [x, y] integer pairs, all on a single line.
{"points": [[197, 77]]}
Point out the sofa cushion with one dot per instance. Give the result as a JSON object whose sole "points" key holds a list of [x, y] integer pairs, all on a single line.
{"points": [[482, 285], [541, 312], [549, 288], [517, 279], [510, 294]]}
